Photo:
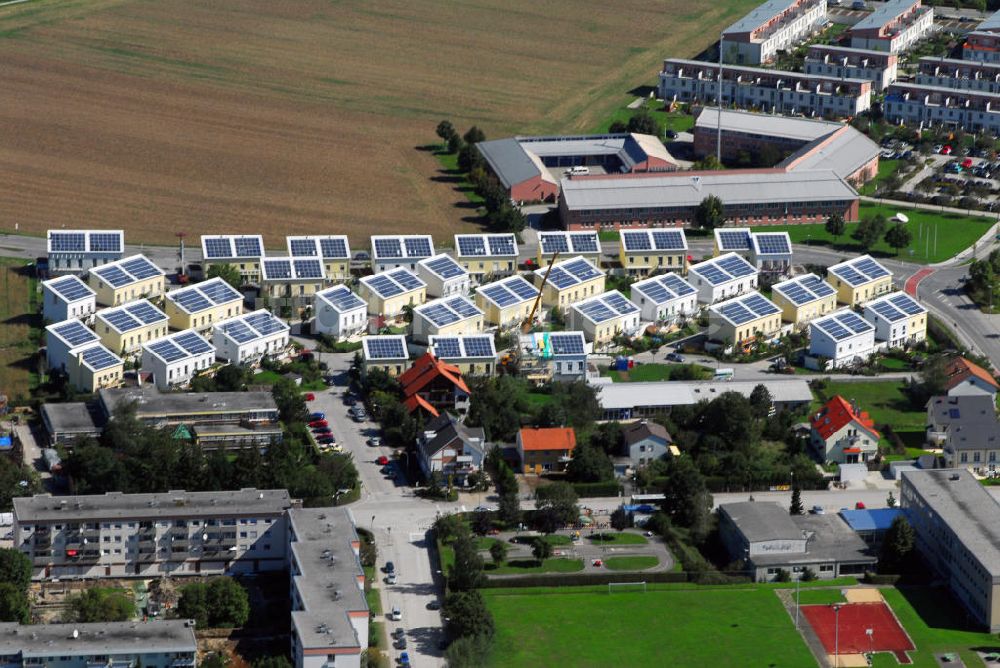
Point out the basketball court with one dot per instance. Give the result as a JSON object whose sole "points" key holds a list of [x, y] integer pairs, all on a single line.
{"points": [[863, 624]]}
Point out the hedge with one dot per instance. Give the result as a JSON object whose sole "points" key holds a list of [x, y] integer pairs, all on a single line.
{"points": [[876, 579], [571, 579], [592, 489]]}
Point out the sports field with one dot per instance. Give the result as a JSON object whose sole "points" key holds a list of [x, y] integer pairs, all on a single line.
{"points": [[580, 626], [305, 116]]}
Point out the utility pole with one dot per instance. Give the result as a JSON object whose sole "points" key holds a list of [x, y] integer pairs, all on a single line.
{"points": [[718, 100]]}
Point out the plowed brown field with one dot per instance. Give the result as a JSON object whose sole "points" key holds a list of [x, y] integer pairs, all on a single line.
{"points": [[298, 115]]}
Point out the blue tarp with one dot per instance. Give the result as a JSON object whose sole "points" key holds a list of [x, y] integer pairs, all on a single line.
{"points": [[6, 443], [877, 519]]}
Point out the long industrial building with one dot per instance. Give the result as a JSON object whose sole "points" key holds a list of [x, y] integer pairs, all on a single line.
{"points": [[773, 91], [776, 25]]}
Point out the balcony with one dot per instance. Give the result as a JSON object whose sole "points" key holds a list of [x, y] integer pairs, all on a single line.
{"points": [[178, 555], [39, 560], [145, 557]]}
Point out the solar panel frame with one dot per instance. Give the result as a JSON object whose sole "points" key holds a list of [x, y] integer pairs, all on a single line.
{"points": [[74, 333], [67, 242], [772, 243], [906, 304], [307, 268], [265, 323], [736, 313], [596, 310], [444, 266], [140, 267], [731, 240], [239, 331], [817, 285], [677, 285], [796, 294], [711, 273], [387, 247], [854, 322], [383, 286], [636, 240], [888, 311], [567, 344], [99, 358], [121, 320], [217, 247], [167, 350], [759, 305], [870, 268], [383, 347], [342, 298], [463, 307], [581, 269], [837, 331], [668, 239], [618, 303], [302, 247], [192, 343], [849, 274], [521, 288], [334, 248], [499, 295], [146, 312], [218, 291], [277, 269], [654, 291], [447, 347], [113, 275], [248, 247], [418, 247], [553, 242], [407, 279], [471, 245], [560, 278], [105, 242], [502, 245], [478, 346], [70, 288], [191, 300], [584, 242], [438, 314], [735, 266]]}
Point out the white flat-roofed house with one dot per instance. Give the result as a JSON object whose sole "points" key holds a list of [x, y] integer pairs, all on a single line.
{"points": [[507, 303], [741, 321], [444, 276], [79, 251], [486, 255], [391, 251], [339, 312], [126, 280], [175, 359], [446, 316], [665, 298], [843, 339], [333, 250], [771, 252], [803, 298], [894, 27], [242, 251], [932, 106], [603, 317], [251, 337], [67, 297], [898, 318], [775, 25], [722, 278], [62, 338]]}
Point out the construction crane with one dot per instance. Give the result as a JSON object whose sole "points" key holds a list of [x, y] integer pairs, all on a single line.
{"points": [[513, 362]]}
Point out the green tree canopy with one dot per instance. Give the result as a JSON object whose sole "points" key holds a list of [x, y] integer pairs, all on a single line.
{"points": [[541, 549], [15, 568], [468, 615], [795, 508], [557, 501], [835, 226], [642, 122], [101, 605], [686, 499], [898, 236], [709, 214], [869, 231], [589, 464], [13, 604], [467, 571], [228, 603], [474, 135], [897, 555], [445, 130], [227, 272]]}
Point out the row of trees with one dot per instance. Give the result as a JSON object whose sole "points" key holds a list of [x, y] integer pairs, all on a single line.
{"points": [[15, 576], [498, 405], [220, 602], [982, 283]]}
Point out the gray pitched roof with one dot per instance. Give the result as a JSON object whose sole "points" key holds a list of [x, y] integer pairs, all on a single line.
{"points": [[446, 430], [638, 431]]}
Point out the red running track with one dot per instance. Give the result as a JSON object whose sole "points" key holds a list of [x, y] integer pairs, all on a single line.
{"points": [[913, 281], [855, 618]]}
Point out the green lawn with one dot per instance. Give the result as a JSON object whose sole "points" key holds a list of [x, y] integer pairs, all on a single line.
{"points": [[586, 626], [886, 168], [820, 596], [676, 121], [647, 372], [516, 566], [618, 538], [537, 399], [883, 399], [637, 563], [954, 233]]}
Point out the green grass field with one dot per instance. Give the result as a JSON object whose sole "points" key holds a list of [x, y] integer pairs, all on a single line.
{"points": [[886, 168], [17, 312], [820, 596], [954, 233], [883, 399], [586, 626], [676, 121], [636, 563], [647, 372]]}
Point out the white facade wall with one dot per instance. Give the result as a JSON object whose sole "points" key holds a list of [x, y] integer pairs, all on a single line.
{"points": [[167, 376], [709, 294], [843, 352], [246, 353], [667, 311], [900, 42], [338, 324], [441, 287], [785, 37], [57, 309], [880, 77], [972, 386]]}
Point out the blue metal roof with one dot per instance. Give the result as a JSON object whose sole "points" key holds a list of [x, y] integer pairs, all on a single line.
{"points": [[878, 519]]}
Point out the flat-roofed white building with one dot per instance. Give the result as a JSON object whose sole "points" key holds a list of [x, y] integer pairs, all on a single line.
{"points": [[898, 318], [387, 352], [444, 276], [201, 305], [242, 251], [251, 337], [486, 255], [175, 359], [62, 338], [722, 277], [474, 355], [446, 316], [828, 60], [67, 297], [390, 251], [739, 321], [333, 250], [507, 302], [803, 298], [842, 338], [665, 298], [389, 292], [603, 317], [569, 244], [775, 25], [125, 280], [125, 328], [79, 251], [339, 312], [859, 280]]}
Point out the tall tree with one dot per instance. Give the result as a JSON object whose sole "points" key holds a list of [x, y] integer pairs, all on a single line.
{"points": [[541, 549], [796, 506], [869, 231], [686, 499], [557, 501], [835, 226], [589, 464], [228, 602], [14, 605], [15, 568], [467, 571], [898, 236], [709, 214], [474, 135], [227, 272], [897, 553], [642, 122], [468, 615], [498, 552], [620, 519], [761, 403], [445, 130]]}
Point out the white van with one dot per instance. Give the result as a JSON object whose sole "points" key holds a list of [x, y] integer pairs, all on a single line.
{"points": [[579, 170], [723, 374]]}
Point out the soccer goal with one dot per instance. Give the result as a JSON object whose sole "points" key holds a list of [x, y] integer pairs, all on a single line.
{"points": [[626, 586]]}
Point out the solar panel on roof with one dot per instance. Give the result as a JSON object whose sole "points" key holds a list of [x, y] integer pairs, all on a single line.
{"points": [[584, 242], [121, 320], [735, 265], [620, 304], [113, 276], [552, 243], [463, 307], [217, 247], [522, 288], [98, 358], [383, 286], [906, 304], [499, 295], [105, 242], [248, 247], [447, 347], [560, 278], [445, 267], [308, 268], [797, 294], [265, 323], [835, 329], [583, 270], [388, 248], [478, 346], [736, 313], [278, 269], [773, 243], [238, 331], [191, 301], [74, 333], [502, 244], [140, 267], [418, 247], [384, 348], [167, 350], [566, 344], [734, 240], [817, 286], [854, 322], [678, 285], [440, 315], [636, 241], [668, 239], [473, 245], [218, 291], [848, 274], [712, 274], [333, 247], [655, 291], [407, 279], [888, 311], [146, 312], [871, 268], [302, 247], [68, 242], [192, 343], [342, 298], [70, 288], [760, 306], [596, 311]]}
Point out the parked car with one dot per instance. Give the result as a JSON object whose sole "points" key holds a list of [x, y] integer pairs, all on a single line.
{"points": [[967, 163], [317, 416], [375, 441], [675, 357], [671, 134], [396, 614], [327, 440], [390, 579], [349, 400], [398, 632], [860, 505], [434, 605], [319, 423], [485, 509], [382, 460], [360, 416], [859, 4], [817, 510], [404, 659], [946, 150], [310, 396], [390, 567], [321, 431], [400, 643]]}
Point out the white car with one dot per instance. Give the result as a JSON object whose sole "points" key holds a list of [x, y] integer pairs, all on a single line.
{"points": [[396, 614], [390, 579]]}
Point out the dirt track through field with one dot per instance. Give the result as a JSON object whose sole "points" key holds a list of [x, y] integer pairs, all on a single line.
{"points": [[278, 117]]}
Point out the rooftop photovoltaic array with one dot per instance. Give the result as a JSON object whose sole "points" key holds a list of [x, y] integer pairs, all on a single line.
{"points": [[896, 306], [205, 295], [384, 347], [252, 326], [127, 271], [327, 247], [444, 266], [457, 347], [179, 346], [484, 245], [732, 240], [722, 269], [572, 243], [98, 358], [570, 272], [73, 332], [842, 325], [292, 269], [772, 243], [140, 267], [664, 288], [225, 246], [237, 330], [392, 247], [567, 343], [804, 289], [264, 322], [447, 311], [391, 283], [132, 316], [743, 309], [86, 241], [605, 307], [654, 240], [859, 271], [70, 288], [341, 298], [509, 291]]}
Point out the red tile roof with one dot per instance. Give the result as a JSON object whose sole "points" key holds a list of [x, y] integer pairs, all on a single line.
{"points": [[549, 438], [427, 368], [417, 401], [836, 414], [960, 370]]}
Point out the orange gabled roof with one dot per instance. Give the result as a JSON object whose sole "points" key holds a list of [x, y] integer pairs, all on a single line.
{"points": [[960, 370], [549, 438], [836, 414], [427, 368], [417, 401]]}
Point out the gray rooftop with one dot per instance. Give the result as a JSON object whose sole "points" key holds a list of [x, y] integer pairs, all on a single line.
{"points": [[829, 539], [177, 503], [759, 15], [770, 125], [844, 153], [764, 73], [50, 640], [446, 429], [836, 48], [973, 412], [886, 13], [688, 189], [764, 521], [328, 579], [679, 393], [75, 417], [960, 64], [151, 403], [969, 511], [991, 24]]}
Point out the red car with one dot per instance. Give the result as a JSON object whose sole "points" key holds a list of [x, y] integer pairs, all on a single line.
{"points": [[382, 461], [319, 423], [310, 396], [967, 163], [946, 150], [860, 505]]}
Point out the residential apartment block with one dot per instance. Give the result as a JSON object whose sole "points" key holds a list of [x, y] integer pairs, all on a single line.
{"points": [[959, 74], [926, 106], [894, 27], [776, 25], [78, 251], [830, 60], [967, 430]]}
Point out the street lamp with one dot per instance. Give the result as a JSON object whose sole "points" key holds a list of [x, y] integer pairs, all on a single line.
{"points": [[836, 636], [869, 633]]}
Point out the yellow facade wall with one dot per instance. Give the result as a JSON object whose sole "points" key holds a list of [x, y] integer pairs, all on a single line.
{"points": [[503, 317], [180, 319], [249, 269], [129, 342], [801, 315], [553, 296], [110, 296], [392, 306], [647, 261], [861, 294]]}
